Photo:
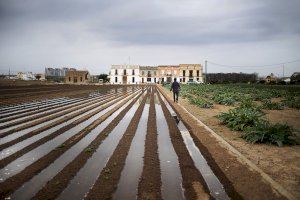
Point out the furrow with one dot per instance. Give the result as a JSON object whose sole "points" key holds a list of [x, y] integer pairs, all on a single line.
{"points": [[30, 188], [128, 184], [39, 110], [170, 171], [111, 173], [64, 176], [54, 134], [47, 157], [39, 121], [49, 111], [150, 182]]}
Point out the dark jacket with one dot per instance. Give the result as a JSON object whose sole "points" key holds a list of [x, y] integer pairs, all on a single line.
{"points": [[175, 87]]}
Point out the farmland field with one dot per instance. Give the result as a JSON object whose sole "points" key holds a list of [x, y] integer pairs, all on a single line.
{"points": [[114, 142], [255, 119]]}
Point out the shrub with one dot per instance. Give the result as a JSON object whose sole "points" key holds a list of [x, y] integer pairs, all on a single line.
{"points": [[264, 132], [200, 102], [268, 104], [224, 99], [291, 102], [241, 117]]}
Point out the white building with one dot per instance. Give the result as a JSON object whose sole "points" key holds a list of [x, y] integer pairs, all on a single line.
{"points": [[26, 76], [124, 74]]}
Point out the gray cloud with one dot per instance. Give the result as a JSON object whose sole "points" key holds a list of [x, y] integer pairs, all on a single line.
{"points": [[91, 32]]}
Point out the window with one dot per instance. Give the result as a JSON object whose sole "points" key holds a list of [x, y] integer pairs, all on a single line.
{"points": [[124, 72], [183, 73], [86, 76], [149, 74], [116, 79], [197, 79], [180, 80], [80, 78], [190, 73], [197, 72], [162, 80], [154, 80], [116, 72], [148, 79], [69, 79], [183, 80], [154, 73], [142, 80], [133, 79], [143, 72], [133, 72]]}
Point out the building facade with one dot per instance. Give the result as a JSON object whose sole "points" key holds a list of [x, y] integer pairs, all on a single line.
{"points": [[190, 72], [135, 74], [77, 77], [124, 74], [148, 74], [167, 73]]}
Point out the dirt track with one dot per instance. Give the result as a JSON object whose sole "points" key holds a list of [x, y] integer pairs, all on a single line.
{"points": [[81, 150]]}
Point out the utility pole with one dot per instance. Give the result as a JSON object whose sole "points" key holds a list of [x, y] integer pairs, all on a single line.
{"points": [[205, 78]]}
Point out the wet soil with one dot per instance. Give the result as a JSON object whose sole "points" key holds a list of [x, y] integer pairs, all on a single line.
{"points": [[239, 181], [14, 182], [150, 182], [20, 94], [106, 184], [12, 157], [70, 116], [56, 185], [190, 173], [281, 163]]}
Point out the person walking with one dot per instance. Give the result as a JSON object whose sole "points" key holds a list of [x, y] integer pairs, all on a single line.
{"points": [[175, 87]]}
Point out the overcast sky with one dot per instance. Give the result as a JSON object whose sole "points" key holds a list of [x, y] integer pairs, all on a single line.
{"points": [[93, 34]]}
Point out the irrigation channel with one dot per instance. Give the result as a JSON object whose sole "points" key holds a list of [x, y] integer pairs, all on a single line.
{"points": [[122, 143]]}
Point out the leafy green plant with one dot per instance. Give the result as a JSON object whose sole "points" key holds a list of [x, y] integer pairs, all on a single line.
{"points": [[89, 149], [268, 104], [241, 117], [264, 132], [224, 99], [200, 102], [292, 102]]}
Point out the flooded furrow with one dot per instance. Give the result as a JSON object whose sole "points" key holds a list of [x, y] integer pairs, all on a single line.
{"points": [[81, 108], [35, 105], [22, 162], [19, 111], [128, 185], [46, 104], [49, 112], [42, 163], [64, 176], [23, 126], [215, 187], [86, 177], [169, 165], [17, 147], [30, 188], [15, 150], [149, 186]]}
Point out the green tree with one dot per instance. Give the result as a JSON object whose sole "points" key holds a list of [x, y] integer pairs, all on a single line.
{"points": [[104, 77]]}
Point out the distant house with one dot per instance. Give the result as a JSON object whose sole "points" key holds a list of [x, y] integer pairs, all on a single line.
{"points": [[77, 77], [271, 78], [26, 76]]}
